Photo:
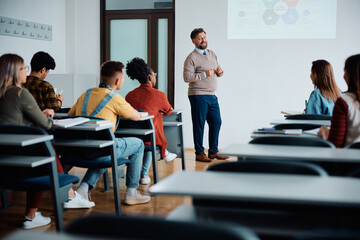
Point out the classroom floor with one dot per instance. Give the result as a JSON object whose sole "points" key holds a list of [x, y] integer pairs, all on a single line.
{"points": [[159, 206]]}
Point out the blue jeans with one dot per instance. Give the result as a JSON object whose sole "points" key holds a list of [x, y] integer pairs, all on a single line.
{"points": [[147, 159], [146, 163], [205, 108], [125, 147]]}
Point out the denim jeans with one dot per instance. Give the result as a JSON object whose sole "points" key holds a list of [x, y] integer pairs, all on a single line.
{"points": [[146, 163], [147, 160], [125, 147]]}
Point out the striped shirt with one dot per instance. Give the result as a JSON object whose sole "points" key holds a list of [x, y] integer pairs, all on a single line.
{"points": [[345, 122], [43, 92]]}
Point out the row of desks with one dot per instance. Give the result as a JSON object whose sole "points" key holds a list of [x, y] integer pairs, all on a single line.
{"points": [[272, 205]]}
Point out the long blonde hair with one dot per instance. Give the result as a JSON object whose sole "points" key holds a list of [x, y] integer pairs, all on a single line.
{"points": [[10, 65], [325, 80]]}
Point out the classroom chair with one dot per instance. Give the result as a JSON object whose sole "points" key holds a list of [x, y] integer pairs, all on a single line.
{"points": [[355, 145], [356, 172], [303, 126], [308, 117], [293, 141], [125, 227], [40, 177], [269, 166], [85, 155], [329, 234]]}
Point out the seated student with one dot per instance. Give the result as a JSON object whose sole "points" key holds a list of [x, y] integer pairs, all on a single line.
{"points": [[153, 101], [323, 98], [43, 91], [345, 122], [104, 102], [23, 110]]}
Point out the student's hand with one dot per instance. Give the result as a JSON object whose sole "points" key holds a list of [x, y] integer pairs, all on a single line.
{"points": [[49, 112], [210, 72], [60, 97], [219, 71], [324, 132]]}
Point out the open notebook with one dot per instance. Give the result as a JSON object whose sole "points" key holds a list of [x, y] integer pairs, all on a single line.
{"points": [[69, 122]]}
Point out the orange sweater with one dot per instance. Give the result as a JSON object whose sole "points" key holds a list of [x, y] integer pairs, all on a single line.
{"points": [[155, 102]]}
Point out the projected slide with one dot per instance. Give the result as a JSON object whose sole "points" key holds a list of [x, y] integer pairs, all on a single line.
{"points": [[281, 19]]}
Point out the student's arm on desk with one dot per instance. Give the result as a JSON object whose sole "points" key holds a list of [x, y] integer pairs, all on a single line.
{"points": [[135, 116], [324, 132]]}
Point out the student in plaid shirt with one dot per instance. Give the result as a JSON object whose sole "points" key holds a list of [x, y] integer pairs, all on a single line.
{"points": [[43, 91]]}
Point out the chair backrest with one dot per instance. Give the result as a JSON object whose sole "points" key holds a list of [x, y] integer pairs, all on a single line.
{"points": [[308, 117], [354, 145], [40, 149], [63, 110], [303, 126], [16, 129], [269, 166], [293, 141], [121, 227]]}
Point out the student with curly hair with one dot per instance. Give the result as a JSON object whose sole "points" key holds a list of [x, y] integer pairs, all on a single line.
{"points": [[153, 101]]}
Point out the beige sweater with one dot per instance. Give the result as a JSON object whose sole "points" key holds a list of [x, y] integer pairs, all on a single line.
{"points": [[195, 66]]}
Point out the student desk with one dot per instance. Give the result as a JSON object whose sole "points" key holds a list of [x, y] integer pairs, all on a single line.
{"points": [[87, 136], [23, 139], [173, 130], [41, 235], [143, 129], [336, 157], [296, 121], [304, 135], [32, 161], [275, 204]]}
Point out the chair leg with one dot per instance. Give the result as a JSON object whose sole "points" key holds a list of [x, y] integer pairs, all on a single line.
{"points": [[154, 161], [182, 148], [106, 182], [115, 177]]}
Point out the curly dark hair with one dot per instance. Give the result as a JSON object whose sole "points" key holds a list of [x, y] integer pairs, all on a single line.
{"points": [[138, 69]]}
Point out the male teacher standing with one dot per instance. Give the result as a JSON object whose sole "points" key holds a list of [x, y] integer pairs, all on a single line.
{"points": [[201, 70]]}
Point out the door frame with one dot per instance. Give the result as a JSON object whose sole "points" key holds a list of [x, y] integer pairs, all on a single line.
{"points": [[152, 15]]}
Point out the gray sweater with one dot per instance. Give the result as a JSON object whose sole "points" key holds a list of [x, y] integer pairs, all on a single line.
{"points": [[195, 66], [22, 110]]}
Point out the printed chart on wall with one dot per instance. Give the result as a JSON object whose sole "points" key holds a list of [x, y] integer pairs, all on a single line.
{"points": [[281, 19]]}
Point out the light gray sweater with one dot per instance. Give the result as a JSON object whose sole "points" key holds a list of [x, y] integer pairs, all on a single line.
{"points": [[195, 66]]}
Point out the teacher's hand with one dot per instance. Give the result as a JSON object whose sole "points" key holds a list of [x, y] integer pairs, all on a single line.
{"points": [[219, 70], [210, 72]]}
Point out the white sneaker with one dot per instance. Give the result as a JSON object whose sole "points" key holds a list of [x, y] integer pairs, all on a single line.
{"points": [[145, 180], [169, 157], [38, 221], [136, 198], [79, 201], [83, 193]]}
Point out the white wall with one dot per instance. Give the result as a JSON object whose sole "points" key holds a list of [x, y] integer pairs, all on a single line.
{"points": [[41, 11], [262, 77], [75, 44]]}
